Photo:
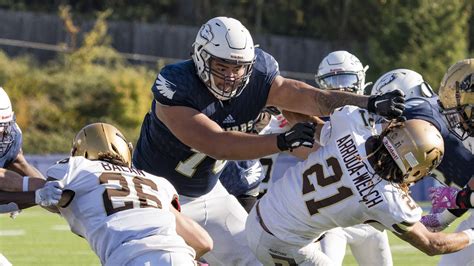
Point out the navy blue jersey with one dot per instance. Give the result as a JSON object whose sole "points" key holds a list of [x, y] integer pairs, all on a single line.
{"points": [[457, 163], [240, 177], [159, 152], [13, 150]]}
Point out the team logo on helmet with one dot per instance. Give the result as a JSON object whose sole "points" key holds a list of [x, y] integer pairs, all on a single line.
{"points": [[467, 84], [206, 32], [386, 80]]}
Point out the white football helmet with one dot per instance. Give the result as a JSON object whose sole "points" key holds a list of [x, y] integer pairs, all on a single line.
{"points": [[225, 40], [406, 80], [7, 120], [341, 70]]}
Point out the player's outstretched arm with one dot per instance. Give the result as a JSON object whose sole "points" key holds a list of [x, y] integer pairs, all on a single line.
{"points": [[194, 235], [21, 166], [13, 182], [24, 191], [437, 243], [187, 123], [297, 96]]}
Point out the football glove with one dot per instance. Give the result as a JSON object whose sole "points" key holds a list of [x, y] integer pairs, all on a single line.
{"points": [[436, 222], [49, 194], [301, 134], [389, 105], [443, 197]]}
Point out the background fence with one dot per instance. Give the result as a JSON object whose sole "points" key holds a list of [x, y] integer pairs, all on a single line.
{"points": [[42, 34]]}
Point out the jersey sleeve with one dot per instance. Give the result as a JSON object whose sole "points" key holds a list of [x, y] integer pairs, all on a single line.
{"points": [[171, 85], [398, 213], [265, 68], [344, 119], [15, 148], [73, 173], [420, 108], [58, 171]]}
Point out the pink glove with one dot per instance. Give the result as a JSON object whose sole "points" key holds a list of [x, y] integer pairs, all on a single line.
{"points": [[433, 223], [443, 197]]}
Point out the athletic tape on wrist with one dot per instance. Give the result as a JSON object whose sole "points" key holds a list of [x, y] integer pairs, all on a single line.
{"points": [[470, 234], [25, 183]]}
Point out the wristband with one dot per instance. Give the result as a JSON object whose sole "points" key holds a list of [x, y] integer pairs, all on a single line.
{"points": [[25, 183], [447, 217], [470, 235], [464, 198]]}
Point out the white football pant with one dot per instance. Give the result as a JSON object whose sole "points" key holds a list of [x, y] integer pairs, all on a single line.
{"points": [[224, 219], [159, 258], [272, 251], [369, 246]]}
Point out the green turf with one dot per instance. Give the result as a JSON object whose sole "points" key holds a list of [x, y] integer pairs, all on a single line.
{"points": [[47, 241], [404, 253]]}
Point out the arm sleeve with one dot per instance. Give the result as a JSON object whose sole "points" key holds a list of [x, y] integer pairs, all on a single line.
{"points": [[398, 213]]}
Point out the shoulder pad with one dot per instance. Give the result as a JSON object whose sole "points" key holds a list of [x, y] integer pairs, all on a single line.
{"points": [[65, 160]]}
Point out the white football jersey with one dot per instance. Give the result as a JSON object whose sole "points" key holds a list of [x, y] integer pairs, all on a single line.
{"points": [[274, 164], [335, 186], [115, 205]]}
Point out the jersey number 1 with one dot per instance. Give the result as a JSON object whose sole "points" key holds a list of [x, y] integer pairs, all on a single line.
{"points": [[322, 180], [188, 167]]}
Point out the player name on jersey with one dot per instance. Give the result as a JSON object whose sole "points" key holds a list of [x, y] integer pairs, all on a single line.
{"points": [[244, 127], [117, 168], [358, 171]]}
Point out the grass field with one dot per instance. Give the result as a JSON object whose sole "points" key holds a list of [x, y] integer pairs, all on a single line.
{"points": [[36, 237]]}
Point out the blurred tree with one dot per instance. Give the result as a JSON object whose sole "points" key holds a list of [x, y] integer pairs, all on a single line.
{"points": [[424, 35], [91, 84]]}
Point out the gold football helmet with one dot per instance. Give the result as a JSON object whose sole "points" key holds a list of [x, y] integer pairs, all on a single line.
{"points": [[101, 141], [416, 146], [456, 96]]}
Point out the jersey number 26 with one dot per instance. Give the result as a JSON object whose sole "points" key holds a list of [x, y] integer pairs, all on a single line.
{"points": [[128, 192]]}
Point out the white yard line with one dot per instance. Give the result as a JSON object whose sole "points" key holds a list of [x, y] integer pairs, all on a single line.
{"points": [[60, 227], [18, 232]]}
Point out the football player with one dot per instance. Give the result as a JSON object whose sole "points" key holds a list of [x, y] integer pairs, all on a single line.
{"points": [[11, 154], [410, 82], [201, 114], [341, 70], [360, 175], [103, 196], [12, 158], [456, 98]]}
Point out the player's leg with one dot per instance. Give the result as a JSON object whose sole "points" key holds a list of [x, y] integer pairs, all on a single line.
{"points": [[334, 245], [465, 256], [369, 246], [224, 219], [272, 251], [161, 257], [4, 261]]}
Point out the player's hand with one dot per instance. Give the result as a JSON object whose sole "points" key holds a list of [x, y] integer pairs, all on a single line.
{"points": [[443, 197], [49, 194], [389, 105], [433, 223], [301, 134]]}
